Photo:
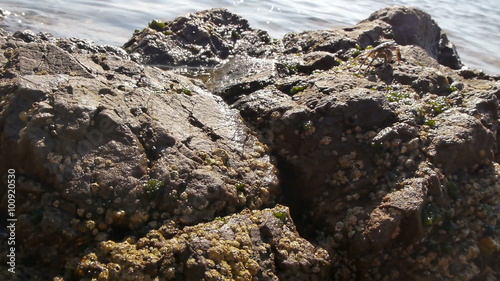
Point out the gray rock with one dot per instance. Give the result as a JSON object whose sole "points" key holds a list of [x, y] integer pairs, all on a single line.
{"points": [[199, 39], [405, 25], [242, 75], [365, 161], [411, 26]]}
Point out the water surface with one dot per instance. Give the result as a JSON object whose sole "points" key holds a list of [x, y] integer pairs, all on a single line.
{"points": [[473, 26]]}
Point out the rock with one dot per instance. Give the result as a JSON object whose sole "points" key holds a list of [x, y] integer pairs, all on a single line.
{"points": [[461, 141], [334, 41], [350, 149], [389, 168], [199, 39], [252, 244], [484, 104], [411, 26], [116, 142], [240, 75], [317, 61], [405, 25]]}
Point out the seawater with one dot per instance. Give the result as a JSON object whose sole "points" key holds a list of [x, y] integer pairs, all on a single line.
{"points": [[473, 26]]}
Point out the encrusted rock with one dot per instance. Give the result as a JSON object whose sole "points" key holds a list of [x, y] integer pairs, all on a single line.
{"points": [[128, 172], [115, 141], [199, 39], [262, 245], [461, 141]]}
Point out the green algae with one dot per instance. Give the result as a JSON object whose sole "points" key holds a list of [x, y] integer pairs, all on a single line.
{"points": [[393, 96], [306, 127], [430, 122], [439, 105], [157, 25], [431, 215], [152, 187], [239, 186], [297, 89], [185, 91], [281, 215]]}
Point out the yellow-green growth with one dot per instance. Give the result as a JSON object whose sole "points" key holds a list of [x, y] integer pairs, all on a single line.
{"points": [[185, 91], [221, 219], [281, 215], [157, 25], [235, 34], [152, 187], [430, 122], [297, 89], [396, 96], [439, 105]]}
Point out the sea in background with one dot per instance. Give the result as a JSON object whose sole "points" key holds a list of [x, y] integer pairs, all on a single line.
{"points": [[473, 26]]}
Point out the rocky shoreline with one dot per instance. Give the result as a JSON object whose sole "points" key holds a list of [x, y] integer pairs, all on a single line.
{"points": [[366, 153]]}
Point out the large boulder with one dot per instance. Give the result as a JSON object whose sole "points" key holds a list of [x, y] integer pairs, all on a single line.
{"points": [[103, 147], [461, 142], [411, 26], [369, 160]]}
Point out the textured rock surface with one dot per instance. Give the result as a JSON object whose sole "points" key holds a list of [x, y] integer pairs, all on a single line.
{"points": [[412, 26], [390, 169], [199, 39], [104, 146], [252, 244]]}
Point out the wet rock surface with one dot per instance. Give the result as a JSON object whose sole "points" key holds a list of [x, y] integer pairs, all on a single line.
{"points": [[199, 39], [388, 167], [105, 147]]}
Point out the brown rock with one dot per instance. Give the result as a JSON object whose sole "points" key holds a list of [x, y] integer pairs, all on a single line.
{"points": [[252, 244], [119, 142]]}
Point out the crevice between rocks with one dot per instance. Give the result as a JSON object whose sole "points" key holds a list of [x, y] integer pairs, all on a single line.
{"points": [[290, 195]]}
